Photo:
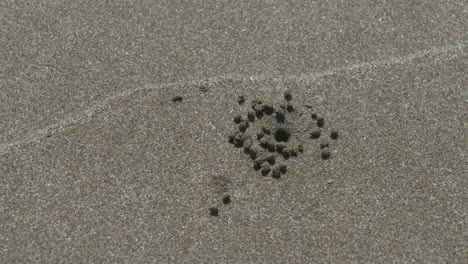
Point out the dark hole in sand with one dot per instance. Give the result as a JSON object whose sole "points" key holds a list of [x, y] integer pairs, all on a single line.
{"points": [[281, 135]]}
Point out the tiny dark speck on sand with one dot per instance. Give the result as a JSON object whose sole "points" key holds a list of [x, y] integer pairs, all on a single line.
{"points": [[177, 99], [334, 134], [241, 99], [214, 211], [227, 199]]}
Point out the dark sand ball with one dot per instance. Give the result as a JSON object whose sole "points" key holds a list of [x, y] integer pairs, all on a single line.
{"points": [[289, 108], [231, 138], [255, 102], [257, 165], [253, 152], [324, 144], [177, 99], [227, 199], [241, 99], [248, 143], [243, 126], [214, 211], [271, 146], [276, 173], [280, 115], [334, 134], [237, 119], [315, 133], [203, 87], [266, 168], [247, 151], [280, 147], [314, 116], [258, 107], [288, 95], [293, 151], [266, 130], [283, 168], [251, 116], [265, 141], [325, 154], [271, 159], [320, 122], [282, 135], [259, 115], [300, 148], [239, 140], [260, 135], [268, 109], [286, 154]]}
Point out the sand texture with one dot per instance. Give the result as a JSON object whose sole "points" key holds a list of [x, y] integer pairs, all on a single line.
{"points": [[234, 132]]}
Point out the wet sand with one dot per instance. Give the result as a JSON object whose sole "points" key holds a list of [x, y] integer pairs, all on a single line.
{"points": [[116, 124]]}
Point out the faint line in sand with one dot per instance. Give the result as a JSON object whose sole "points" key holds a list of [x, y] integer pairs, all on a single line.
{"points": [[98, 107]]}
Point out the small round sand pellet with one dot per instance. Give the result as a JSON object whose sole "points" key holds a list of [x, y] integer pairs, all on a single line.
{"points": [[214, 211], [315, 133], [227, 199], [248, 143], [280, 116], [243, 126], [241, 99], [258, 108], [320, 122], [237, 119], [293, 152], [266, 168], [325, 154], [266, 130], [268, 109], [265, 141], [260, 135], [283, 168], [280, 147], [271, 159], [300, 148], [334, 135], [239, 140], [257, 165], [177, 99], [253, 153], [276, 173], [324, 144], [251, 116]]}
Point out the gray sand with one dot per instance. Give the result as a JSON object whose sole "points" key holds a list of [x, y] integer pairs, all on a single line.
{"points": [[98, 163]]}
